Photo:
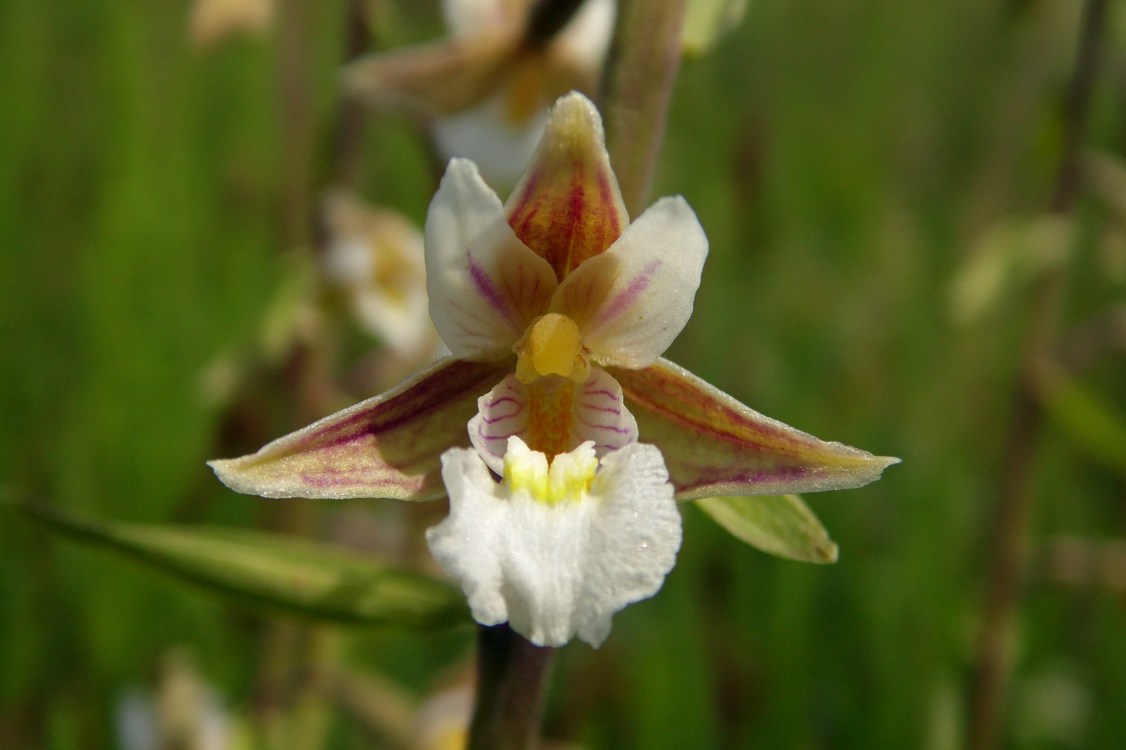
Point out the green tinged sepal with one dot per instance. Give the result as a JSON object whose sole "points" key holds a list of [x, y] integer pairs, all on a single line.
{"points": [[301, 577], [387, 446], [715, 445], [781, 525]]}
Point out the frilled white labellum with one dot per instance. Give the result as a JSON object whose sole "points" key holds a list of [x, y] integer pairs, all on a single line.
{"points": [[555, 550]]}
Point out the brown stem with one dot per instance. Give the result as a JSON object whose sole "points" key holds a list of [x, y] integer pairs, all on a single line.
{"points": [[351, 116], [1009, 563], [637, 87], [511, 685]]}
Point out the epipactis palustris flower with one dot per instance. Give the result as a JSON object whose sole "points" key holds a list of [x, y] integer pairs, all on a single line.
{"points": [[375, 257], [556, 309], [487, 87]]}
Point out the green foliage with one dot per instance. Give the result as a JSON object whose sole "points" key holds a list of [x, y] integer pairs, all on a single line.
{"points": [[782, 525], [845, 159], [298, 576]]}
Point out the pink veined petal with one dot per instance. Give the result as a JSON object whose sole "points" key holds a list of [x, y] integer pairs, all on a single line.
{"points": [[631, 301], [387, 446], [484, 285], [601, 415], [596, 412], [714, 445], [567, 206], [501, 413]]}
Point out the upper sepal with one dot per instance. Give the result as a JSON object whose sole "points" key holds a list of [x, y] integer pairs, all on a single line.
{"points": [[567, 206], [715, 445], [387, 446]]}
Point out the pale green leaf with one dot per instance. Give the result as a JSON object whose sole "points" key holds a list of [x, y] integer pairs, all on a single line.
{"points": [[303, 577], [1092, 422], [1011, 253], [707, 21], [781, 525]]}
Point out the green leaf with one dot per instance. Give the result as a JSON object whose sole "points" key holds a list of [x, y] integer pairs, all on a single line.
{"points": [[1010, 254], [298, 576], [1085, 416], [781, 525]]}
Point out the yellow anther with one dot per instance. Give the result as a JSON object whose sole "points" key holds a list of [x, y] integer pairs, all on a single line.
{"points": [[552, 346]]}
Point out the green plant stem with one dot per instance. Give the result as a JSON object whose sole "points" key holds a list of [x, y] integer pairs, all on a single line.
{"points": [[637, 87], [1009, 541], [511, 685]]}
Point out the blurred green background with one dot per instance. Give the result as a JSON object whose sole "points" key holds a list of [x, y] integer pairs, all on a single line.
{"points": [[851, 161]]}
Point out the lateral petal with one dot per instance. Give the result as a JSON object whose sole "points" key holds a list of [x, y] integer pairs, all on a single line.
{"points": [[484, 285], [387, 446], [567, 206], [715, 445], [631, 301], [596, 412]]}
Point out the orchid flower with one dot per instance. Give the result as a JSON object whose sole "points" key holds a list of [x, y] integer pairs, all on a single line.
{"points": [[375, 257], [556, 309], [487, 86]]}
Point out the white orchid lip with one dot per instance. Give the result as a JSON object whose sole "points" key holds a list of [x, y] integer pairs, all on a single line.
{"points": [[556, 548]]}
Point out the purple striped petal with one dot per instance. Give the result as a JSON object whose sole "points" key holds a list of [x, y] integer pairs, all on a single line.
{"points": [[714, 445], [484, 285], [631, 301], [553, 415], [387, 446]]}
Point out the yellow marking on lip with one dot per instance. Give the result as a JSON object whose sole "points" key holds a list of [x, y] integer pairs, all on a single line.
{"points": [[550, 416], [567, 477]]}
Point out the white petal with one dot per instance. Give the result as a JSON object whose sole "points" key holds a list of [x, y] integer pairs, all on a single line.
{"points": [[487, 134], [554, 571], [637, 536], [468, 17], [631, 301], [501, 413], [598, 414], [484, 285], [587, 37], [463, 541]]}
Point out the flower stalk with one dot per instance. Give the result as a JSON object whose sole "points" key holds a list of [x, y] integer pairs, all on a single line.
{"points": [[637, 86], [512, 677]]}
